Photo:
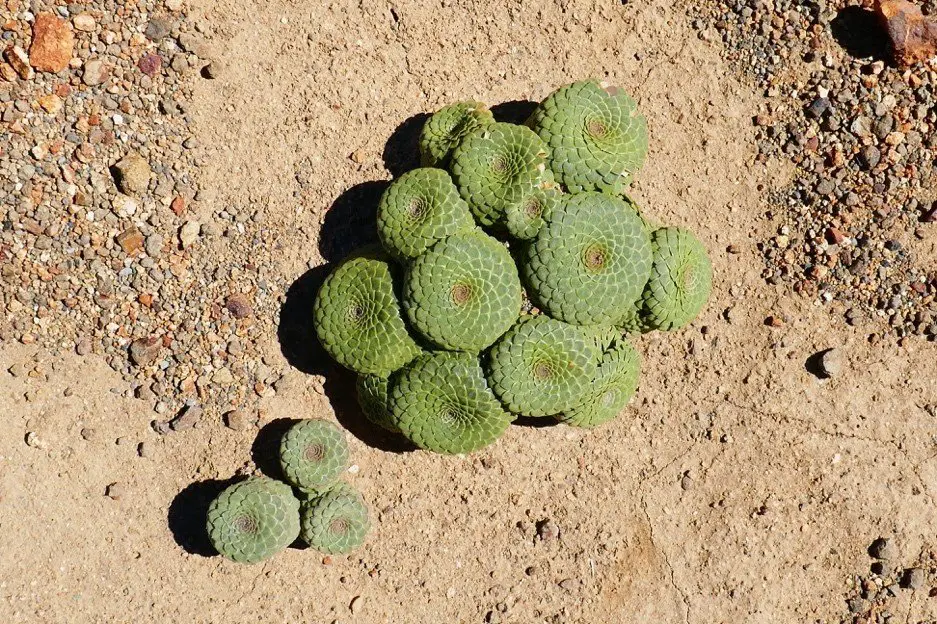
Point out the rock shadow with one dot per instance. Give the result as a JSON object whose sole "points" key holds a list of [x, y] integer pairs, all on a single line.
{"points": [[343, 396], [186, 517], [515, 111], [814, 364], [402, 150], [860, 33]]}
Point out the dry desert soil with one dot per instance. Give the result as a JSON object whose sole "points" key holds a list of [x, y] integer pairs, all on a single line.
{"points": [[740, 486]]}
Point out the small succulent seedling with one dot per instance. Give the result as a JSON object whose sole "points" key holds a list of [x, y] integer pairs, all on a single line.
{"points": [[313, 454], [335, 522], [253, 520]]}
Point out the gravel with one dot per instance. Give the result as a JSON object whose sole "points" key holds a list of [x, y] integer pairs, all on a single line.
{"points": [[860, 134], [99, 176]]}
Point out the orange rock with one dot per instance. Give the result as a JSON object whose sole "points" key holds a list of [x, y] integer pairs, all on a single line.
{"points": [[18, 60], [53, 42], [51, 104], [130, 240], [178, 206], [913, 35]]}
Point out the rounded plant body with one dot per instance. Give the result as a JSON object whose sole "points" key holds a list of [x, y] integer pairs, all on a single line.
{"points": [[524, 219], [442, 403], [590, 261], [252, 520], [499, 166], [335, 522], [596, 136], [373, 397], [358, 319], [603, 336], [313, 454], [680, 282], [542, 366], [463, 293], [418, 209], [631, 322], [615, 383], [448, 127]]}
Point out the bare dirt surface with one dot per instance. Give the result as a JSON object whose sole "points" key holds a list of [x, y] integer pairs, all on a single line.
{"points": [[739, 486]]}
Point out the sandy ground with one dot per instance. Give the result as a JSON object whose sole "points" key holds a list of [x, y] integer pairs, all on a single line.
{"points": [[739, 487]]}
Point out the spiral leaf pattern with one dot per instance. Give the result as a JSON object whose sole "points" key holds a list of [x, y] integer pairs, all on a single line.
{"points": [[680, 282], [615, 383], [499, 166], [418, 209], [358, 318], [313, 454], [335, 522], [589, 261], [463, 293], [442, 403], [448, 127], [542, 366], [252, 520], [597, 138]]}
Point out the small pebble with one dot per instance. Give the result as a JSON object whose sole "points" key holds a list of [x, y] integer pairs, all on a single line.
{"points": [[115, 490]]}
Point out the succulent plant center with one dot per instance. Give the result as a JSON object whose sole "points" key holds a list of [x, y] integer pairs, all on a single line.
{"points": [[315, 452], [595, 257], [246, 524], [462, 293], [339, 526]]}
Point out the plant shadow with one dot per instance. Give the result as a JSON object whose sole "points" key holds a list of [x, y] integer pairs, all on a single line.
{"points": [[265, 451], [187, 512], [515, 111], [860, 33], [535, 422], [340, 388], [402, 150], [351, 220]]}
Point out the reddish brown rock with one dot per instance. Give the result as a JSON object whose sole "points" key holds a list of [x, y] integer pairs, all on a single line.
{"points": [[53, 43], [834, 236], [144, 350], [178, 206], [18, 60], [913, 35], [150, 64], [239, 306]]}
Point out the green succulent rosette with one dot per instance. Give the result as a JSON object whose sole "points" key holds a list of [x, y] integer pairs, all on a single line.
{"points": [[313, 454], [418, 209], [614, 384], [463, 293], [499, 166], [252, 520], [358, 319], [442, 403], [335, 522], [597, 138], [680, 281], [542, 366], [590, 261], [448, 127]]}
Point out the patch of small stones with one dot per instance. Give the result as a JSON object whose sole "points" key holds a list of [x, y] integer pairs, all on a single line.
{"points": [[872, 593], [101, 251], [862, 137]]}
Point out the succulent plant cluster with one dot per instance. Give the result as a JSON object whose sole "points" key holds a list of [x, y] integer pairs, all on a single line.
{"points": [[254, 519], [503, 218]]}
